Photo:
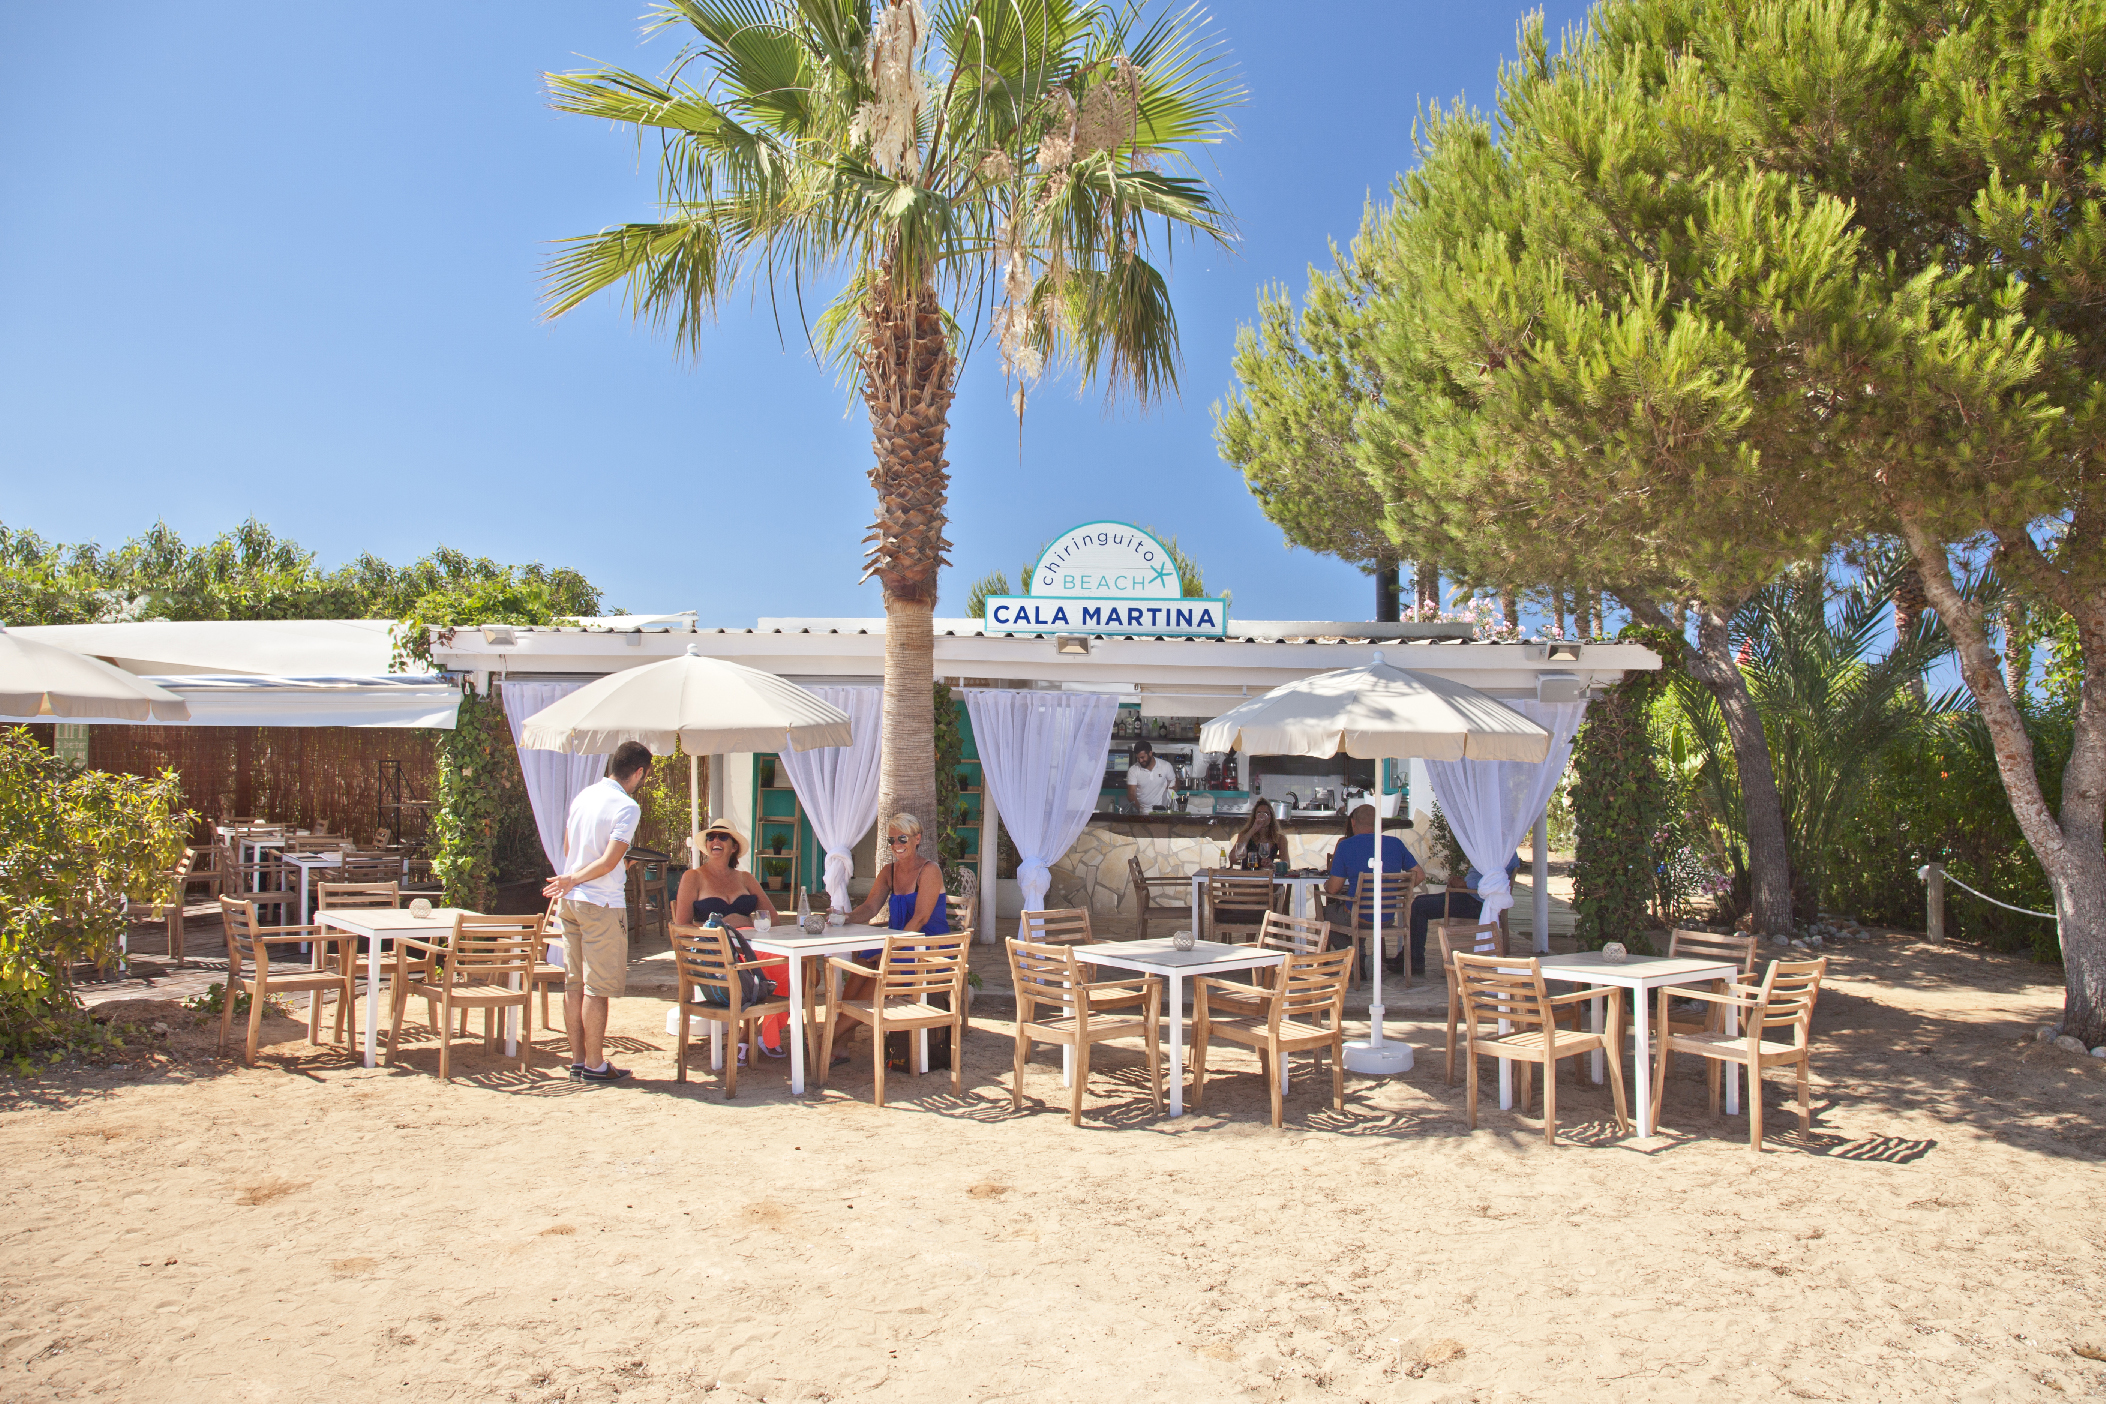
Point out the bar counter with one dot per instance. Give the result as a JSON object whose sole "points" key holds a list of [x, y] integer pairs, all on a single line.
{"points": [[1097, 872]]}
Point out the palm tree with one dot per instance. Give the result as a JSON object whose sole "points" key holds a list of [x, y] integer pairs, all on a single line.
{"points": [[998, 169], [1832, 704]]}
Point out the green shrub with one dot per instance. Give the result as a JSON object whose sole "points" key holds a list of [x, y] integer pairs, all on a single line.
{"points": [[74, 845]]}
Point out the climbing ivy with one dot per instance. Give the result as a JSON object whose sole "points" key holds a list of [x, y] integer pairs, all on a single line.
{"points": [[475, 771], [950, 749], [1619, 805]]}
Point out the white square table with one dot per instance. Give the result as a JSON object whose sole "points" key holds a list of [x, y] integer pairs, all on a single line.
{"points": [[377, 925], [787, 939], [307, 863], [1159, 957], [1640, 974]]}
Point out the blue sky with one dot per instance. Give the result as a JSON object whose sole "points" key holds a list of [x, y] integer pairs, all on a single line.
{"points": [[284, 261]]}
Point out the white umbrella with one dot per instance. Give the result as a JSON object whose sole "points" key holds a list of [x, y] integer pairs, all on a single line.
{"points": [[1377, 712], [707, 705], [41, 680]]}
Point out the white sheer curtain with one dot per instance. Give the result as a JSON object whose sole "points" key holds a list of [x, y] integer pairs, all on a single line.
{"points": [[1043, 754], [553, 779], [838, 785], [1491, 804]]}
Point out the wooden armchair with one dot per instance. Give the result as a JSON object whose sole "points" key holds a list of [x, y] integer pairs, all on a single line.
{"points": [[1783, 1001], [484, 963], [169, 909], [1078, 1014], [710, 989], [1396, 916], [645, 894], [912, 970], [1707, 945], [1236, 906], [1148, 905], [1305, 1012], [1290, 935], [1498, 989], [1456, 934], [204, 871], [548, 975], [1070, 926], [248, 945]]}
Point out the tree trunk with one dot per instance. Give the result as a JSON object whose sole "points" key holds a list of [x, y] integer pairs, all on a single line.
{"points": [[1909, 601], [1510, 607], [2071, 847], [1388, 592], [1711, 662], [1429, 589], [908, 378], [1583, 614], [1769, 851], [907, 766]]}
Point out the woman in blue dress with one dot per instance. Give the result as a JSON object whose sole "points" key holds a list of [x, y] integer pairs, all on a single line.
{"points": [[909, 887]]}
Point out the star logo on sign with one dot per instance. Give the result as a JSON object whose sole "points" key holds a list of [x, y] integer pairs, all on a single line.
{"points": [[1162, 573]]}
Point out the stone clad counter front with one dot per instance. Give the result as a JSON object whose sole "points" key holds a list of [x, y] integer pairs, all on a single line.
{"points": [[1094, 874]]}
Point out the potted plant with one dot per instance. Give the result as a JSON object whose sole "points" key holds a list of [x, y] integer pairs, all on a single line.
{"points": [[767, 772], [776, 872]]}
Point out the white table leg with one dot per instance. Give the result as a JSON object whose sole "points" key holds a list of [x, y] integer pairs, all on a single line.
{"points": [[797, 1012], [1195, 909], [1594, 1060], [512, 1024], [1643, 1057], [1067, 1065], [1732, 1070], [372, 998], [921, 1050], [716, 1044], [1177, 1044]]}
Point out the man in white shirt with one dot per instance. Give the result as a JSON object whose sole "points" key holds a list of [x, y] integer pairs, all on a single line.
{"points": [[595, 909], [1148, 780]]}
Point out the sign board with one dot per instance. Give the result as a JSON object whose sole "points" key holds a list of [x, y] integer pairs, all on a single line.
{"points": [[69, 742], [1107, 578]]}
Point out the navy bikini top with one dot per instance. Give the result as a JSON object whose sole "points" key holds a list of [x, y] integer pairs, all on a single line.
{"points": [[745, 905]]}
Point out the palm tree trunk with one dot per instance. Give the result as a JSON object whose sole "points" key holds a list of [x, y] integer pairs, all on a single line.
{"points": [[909, 375]]}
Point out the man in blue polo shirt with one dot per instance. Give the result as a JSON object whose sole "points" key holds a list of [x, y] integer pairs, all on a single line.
{"points": [[1349, 866]]}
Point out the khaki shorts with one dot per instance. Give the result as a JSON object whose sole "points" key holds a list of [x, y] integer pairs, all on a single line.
{"points": [[595, 948]]}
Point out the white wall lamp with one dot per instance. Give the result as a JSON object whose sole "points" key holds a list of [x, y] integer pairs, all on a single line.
{"points": [[499, 635], [1071, 643], [1562, 653]]}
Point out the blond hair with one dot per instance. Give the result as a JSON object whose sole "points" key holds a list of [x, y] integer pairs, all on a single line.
{"points": [[903, 823]]}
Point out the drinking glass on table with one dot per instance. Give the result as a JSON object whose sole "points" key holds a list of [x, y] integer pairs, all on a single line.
{"points": [[762, 922]]}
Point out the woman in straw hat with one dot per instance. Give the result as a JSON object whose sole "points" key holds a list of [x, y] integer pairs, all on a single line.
{"points": [[717, 887]]}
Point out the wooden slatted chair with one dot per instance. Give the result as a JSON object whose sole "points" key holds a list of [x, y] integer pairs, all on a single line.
{"points": [[1148, 906], [1502, 988], [1236, 906], [710, 989], [912, 970], [250, 970], [482, 964], [1783, 1001], [364, 896], [1709, 945], [1396, 916], [1304, 1013], [547, 974], [1058, 1001], [168, 908], [204, 871], [1290, 935], [1070, 926], [1457, 934]]}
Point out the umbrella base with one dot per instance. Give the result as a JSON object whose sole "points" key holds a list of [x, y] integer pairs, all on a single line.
{"points": [[1382, 1059]]}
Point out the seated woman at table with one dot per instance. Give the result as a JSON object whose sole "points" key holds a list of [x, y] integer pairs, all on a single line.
{"points": [[715, 887], [909, 886], [1260, 840]]}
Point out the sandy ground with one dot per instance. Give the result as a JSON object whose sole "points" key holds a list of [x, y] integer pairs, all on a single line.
{"points": [[185, 1228]]}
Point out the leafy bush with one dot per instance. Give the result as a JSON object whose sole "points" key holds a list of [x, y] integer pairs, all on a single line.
{"points": [[74, 845]]}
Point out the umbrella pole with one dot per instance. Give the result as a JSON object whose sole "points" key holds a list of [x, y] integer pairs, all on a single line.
{"points": [[1375, 1055], [694, 798]]}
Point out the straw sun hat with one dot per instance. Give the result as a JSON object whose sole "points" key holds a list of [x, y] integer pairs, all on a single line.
{"points": [[718, 826]]}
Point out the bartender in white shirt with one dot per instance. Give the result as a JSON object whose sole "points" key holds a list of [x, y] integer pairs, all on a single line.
{"points": [[1148, 780]]}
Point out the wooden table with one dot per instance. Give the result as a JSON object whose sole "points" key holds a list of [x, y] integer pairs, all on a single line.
{"points": [[380, 924], [1641, 974], [1159, 957]]}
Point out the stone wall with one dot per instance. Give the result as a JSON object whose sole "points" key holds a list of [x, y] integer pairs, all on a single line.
{"points": [[1095, 874]]}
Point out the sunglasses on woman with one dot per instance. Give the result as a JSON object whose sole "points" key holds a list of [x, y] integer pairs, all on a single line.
{"points": [[898, 839]]}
